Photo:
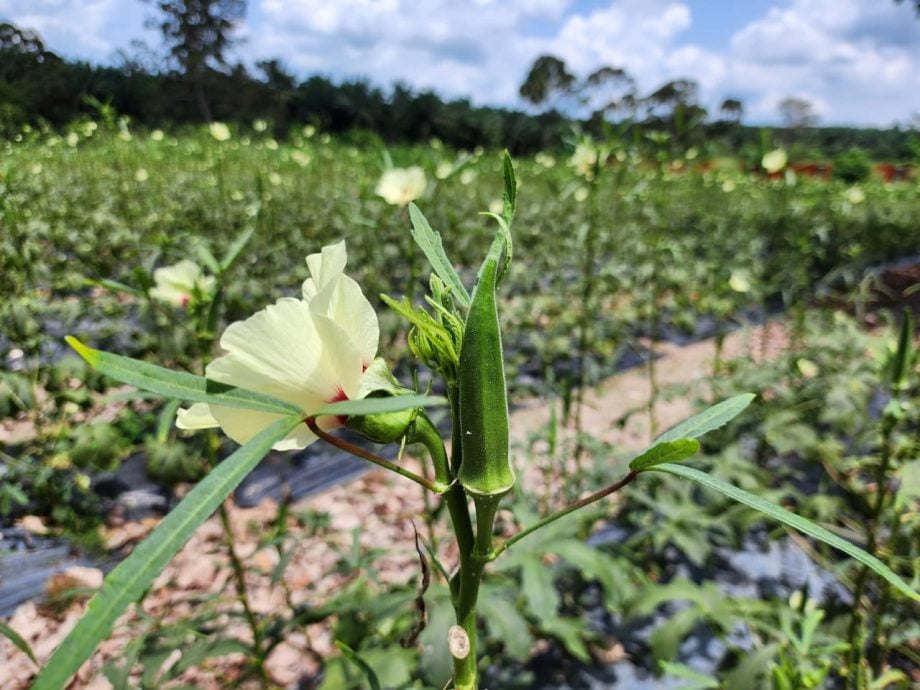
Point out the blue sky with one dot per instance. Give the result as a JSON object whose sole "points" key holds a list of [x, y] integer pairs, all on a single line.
{"points": [[857, 61]]}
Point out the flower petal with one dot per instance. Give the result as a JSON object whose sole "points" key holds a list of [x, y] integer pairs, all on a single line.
{"points": [[325, 267], [343, 302], [198, 416]]}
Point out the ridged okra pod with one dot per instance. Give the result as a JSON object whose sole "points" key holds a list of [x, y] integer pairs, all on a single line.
{"points": [[486, 472]]}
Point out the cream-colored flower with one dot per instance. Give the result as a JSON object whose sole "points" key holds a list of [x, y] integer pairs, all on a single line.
{"points": [[855, 195], [219, 131], [399, 186], [180, 283], [774, 161], [309, 351], [584, 158]]}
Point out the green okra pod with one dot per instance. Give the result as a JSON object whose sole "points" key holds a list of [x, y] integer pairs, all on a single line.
{"points": [[486, 468]]}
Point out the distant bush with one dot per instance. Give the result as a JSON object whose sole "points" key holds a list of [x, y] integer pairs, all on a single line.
{"points": [[853, 165]]}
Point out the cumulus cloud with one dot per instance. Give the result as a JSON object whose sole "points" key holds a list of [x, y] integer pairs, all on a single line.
{"points": [[855, 60]]}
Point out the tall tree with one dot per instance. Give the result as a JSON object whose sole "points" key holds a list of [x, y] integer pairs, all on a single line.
{"points": [[732, 110], [197, 34], [548, 77]]}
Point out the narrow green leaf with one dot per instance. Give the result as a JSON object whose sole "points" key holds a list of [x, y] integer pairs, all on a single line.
{"points": [[115, 286], [665, 451], [365, 667], [366, 406], [238, 245], [131, 578], [208, 259], [431, 245], [14, 637], [790, 519], [708, 420], [179, 384], [509, 197]]}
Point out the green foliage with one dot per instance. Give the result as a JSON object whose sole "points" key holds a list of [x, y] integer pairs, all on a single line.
{"points": [[852, 166]]}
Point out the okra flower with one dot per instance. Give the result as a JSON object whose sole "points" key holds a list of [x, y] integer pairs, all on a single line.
{"points": [[774, 161], [399, 186], [309, 351], [180, 283]]}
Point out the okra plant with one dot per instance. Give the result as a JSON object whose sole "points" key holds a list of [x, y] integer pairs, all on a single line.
{"points": [[295, 371]]}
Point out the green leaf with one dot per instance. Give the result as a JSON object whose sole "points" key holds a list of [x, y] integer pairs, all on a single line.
{"points": [[505, 624], [539, 589], [208, 259], [366, 406], [509, 197], [14, 637], [179, 384], [115, 286], [790, 519], [233, 251], [708, 420], [366, 669], [697, 681], [131, 578], [431, 245], [666, 451]]}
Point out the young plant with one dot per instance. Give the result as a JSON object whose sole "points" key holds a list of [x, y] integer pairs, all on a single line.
{"points": [[300, 368]]}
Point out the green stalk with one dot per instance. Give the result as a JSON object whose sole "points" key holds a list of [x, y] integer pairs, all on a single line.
{"points": [[239, 576], [856, 629]]}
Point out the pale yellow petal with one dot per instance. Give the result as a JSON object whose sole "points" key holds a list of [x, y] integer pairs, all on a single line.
{"points": [[277, 351], [345, 303], [198, 416], [325, 267]]}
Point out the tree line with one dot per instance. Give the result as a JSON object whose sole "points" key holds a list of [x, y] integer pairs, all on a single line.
{"points": [[195, 83]]}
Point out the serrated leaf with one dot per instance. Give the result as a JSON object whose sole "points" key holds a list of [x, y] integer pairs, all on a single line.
{"points": [[179, 384], [697, 681], [131, 578], [539, 589], [665, 451], [790, 519], [432, 247], [708, 420], [366, 406], [505, 624], [17, 640]]}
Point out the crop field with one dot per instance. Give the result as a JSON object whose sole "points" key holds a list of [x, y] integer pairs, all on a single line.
{"points": [[645, 285]]}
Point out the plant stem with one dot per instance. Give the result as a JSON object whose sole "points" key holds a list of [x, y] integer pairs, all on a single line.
{"points": [[857, 622], [239, 575], [436, 487], [586, 501]]}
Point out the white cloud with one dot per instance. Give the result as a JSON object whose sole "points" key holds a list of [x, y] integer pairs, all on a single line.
{"points": [[855, 59]]}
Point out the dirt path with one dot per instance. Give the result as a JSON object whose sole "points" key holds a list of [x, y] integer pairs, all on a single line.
{"points": [[381, 506]]}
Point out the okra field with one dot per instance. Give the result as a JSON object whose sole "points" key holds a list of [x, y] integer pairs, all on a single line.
{"points": [[648, 283]]}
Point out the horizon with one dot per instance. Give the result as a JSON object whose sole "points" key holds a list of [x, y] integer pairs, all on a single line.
{"points": [[854, 61]]}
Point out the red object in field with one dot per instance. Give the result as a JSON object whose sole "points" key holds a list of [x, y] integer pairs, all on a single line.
{"points": [[820, 171], [895, 172]]}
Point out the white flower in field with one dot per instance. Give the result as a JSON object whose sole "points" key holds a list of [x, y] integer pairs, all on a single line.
{"points": [[309, 131], [581, 194], [855, 195], [774, 161], [274, 179], [302, 159], [157, 135], [309, 351], [584, 158], [444, 169], [260, 125], [399, 186], [728, 186], [72, 139], [468, 176], [544, 159], [141, 175], [740, 281], [180, 283], [219, 131], [496, 206]]}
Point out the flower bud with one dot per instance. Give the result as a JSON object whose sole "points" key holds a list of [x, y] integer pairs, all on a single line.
{"points": [[385, 427]]}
